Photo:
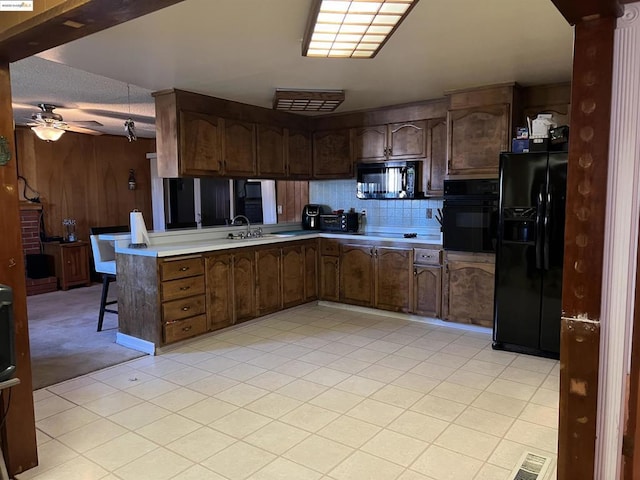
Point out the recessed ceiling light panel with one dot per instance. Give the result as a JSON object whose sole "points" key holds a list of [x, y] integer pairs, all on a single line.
{"points": [[307, 100], [352, 28]]}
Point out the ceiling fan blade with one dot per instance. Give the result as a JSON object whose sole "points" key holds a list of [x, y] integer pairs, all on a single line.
{"points": [[86, 123], [78, 129]]}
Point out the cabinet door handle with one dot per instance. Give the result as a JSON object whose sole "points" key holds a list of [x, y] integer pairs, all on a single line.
{"points": [[186, 329], [185, 309], [184, 269], [390, 151], [185, 288], [371, 253], [415, 272]]}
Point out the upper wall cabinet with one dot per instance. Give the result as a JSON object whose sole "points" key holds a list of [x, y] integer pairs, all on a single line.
{"points": [[239, 144], [395, 141], [479, 128], [200, 146], [436, 162], [299, 160], [333, 153], [271, 153]]}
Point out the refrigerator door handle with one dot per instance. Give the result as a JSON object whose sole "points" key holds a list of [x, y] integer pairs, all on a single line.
{"points": [[547, 222], [539, 206]]}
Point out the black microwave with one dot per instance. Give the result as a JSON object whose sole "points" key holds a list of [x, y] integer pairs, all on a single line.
{"points": [[387, 180], [343, 222]]}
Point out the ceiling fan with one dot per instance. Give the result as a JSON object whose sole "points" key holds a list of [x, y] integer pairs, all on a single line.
{"points": [[50, 126]]}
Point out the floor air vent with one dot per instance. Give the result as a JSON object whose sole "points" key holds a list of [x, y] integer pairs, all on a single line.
{"points": [[531, 467]]}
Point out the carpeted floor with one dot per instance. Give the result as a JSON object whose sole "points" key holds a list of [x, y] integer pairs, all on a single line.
{"points": [[63, 337]]}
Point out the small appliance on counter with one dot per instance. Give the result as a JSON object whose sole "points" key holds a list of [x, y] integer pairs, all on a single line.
{"points": [[311, 215], [387, 180], [340, 222]]}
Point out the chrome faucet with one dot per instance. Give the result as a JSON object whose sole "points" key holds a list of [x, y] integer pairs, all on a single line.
{"points": [[239, 217]]}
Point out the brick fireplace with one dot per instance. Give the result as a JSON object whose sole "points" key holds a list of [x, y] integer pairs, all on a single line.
{"points": [[30, 228]]}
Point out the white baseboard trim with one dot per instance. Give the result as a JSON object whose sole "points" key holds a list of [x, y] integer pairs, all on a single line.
{"points": [[135, 343]]}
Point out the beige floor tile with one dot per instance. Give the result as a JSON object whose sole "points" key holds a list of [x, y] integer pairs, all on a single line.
{"points": [[200, 444], [501, 404], [397, 396], [326, 376], [66, 421], [367, 355], [349, 365], [360, 385], [238, 461], [120, 451], [240, 423], [218, 363], [417, 425], [270, 380], [459, 350], [207, 410], [269, 361], [51, 405], [385, 345], [242, 372], [186, 375], [398, 362], [302, 390], [349, 431], [364, 466], [88, 393], [337, 400], [548, 398], [521, 375], [533, 435], [114, 403], [491, 472], [372, 411], [438, 407], [416, 382], [69, 385], [178, 399], [447, 359], [552, 382], [152, 388], [318, 453], [511, 389], [167, 429], [42, 437], [91, 435], [395, 447], [508, 453], [540, 415], [338, 348], [50, 454], [283, 469], [159, 464], [276, 437], [76, 469], [241, 394], [139, 415], [296, 368], [494, 356], [534, 364], [309, 417], [399, 338], [414, 353], [213, 384], [319, 358], [484, 368], [443, 464], [43, 393], [292, 351], [456, 392], [471, 443], [485, 421], [470, 379], [274, 405], [198, 472], [381, 373], [433, 370]]}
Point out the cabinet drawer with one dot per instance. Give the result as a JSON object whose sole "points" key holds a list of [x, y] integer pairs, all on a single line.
{"points": [[182, 329], [184, 287], [183, 308], [181, 268], [427, 256], [329, 247]]}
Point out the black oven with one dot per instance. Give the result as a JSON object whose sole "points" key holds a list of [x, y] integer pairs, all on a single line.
{"points": [[470, 215]]}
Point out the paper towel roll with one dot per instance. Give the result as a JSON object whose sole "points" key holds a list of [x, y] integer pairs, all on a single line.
{"points": [[139, 235]]}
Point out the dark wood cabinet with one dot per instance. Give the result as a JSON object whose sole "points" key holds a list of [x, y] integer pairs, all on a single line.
{"points": [[393, 278], [200, 144], [469, 288], [395, 141], [311, 271], [244, 305], [293, 275], [271, 151], [329, 278], [268, 280], [435, 165], [370, 143], [299, 159], [239, 146], [427, 282], [356, 274], [219, 278], [333, 153], [71, 262]]}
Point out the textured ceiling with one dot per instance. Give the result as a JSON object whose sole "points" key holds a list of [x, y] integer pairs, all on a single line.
{"points": [[243, 50]]}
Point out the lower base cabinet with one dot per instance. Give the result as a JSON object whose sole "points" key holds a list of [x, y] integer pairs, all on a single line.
{"points": [[268, 280], [469, 288], [427, 282]]}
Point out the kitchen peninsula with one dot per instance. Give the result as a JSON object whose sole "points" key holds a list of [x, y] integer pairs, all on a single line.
{"points": [[189, 282]]}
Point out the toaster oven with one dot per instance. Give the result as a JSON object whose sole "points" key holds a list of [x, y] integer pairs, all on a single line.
{"points": [[343, 222]]}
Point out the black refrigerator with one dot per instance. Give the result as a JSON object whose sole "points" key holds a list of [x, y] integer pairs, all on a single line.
{"points": [[529, 252]]}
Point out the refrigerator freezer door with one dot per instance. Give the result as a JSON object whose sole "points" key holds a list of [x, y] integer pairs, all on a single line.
{"points": [[554, 249]]}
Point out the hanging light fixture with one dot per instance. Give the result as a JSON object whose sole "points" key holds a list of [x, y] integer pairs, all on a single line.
{"points": [[49, 134], [129, 125]]}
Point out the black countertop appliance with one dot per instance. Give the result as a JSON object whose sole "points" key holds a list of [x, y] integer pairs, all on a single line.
{"points": [[311, 215]]}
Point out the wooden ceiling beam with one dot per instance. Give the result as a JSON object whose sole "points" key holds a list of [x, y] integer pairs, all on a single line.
{"points": [[575, 11], [69, 21]]}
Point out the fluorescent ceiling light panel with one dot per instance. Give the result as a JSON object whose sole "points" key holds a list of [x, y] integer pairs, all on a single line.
{"points": [[352, 28], [307, 100]]}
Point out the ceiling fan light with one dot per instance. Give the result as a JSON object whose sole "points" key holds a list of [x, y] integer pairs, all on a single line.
{"points": [[48, 134]]}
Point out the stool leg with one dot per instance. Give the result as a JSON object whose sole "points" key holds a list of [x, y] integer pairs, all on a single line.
{"points": [[103, 300]]}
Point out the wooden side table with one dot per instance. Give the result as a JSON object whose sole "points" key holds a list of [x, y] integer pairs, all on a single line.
{"points": [[71, 262]]}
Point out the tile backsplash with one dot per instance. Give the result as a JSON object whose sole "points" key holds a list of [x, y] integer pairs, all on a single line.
{"points": [[404, 215]]}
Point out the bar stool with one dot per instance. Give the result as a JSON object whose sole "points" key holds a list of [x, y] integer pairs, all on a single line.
{"points": [[104, 260]]}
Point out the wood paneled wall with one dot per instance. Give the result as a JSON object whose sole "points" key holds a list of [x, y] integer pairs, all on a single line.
{"points": [[85, 177], [292, 196]]}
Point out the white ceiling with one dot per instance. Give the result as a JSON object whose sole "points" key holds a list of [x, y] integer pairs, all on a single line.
{"points": [[243, 50]]}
